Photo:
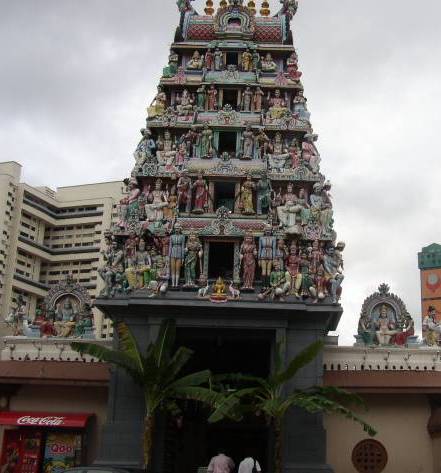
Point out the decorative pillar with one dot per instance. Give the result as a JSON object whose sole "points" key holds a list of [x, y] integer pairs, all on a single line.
{"points": [[237, 198], [236, 270], [211, 191], [206, 257]]}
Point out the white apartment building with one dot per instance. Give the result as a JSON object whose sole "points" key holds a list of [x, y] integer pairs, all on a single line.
{"points": [[48, 234]]}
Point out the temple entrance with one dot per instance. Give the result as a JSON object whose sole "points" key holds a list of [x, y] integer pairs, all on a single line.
{"points": [[221, 260], [233, 58], [193, 442], [225, 195]]}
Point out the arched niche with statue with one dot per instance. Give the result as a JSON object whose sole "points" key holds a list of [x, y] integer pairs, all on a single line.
{"points": [[385, 321], [235, 19]]}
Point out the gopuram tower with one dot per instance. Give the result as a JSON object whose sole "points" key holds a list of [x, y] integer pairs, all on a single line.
{"points": [[227, 227]]}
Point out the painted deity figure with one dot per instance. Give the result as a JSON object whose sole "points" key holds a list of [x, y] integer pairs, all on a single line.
{"points": [[280, 282], [293, 67], [212, 98], [262, 144], [293, 267], [289, 7], [172, 68], [248, 254], [310, 154], [200, 188], [247, 194], [386, 328], [258, 99], [176, 254], [193, 254], [113, 268], [281, 253], [146, 148], [170, 211], [248, 143], [166, 150], [247, 61], [206, 142], [332, 264], [157, 203], [184, 192], [201, 98], [289, 211], [192, 141], [159, 104], [295, 153], [256, 61], [431, 327], [196, 62], [130, 204], [209, 60], [278, 154], [181, 156], [247, 98], [218, 60], [300, 106], [277, 105], [267, 64], [185, 103], [263, 189], [267, 252]]}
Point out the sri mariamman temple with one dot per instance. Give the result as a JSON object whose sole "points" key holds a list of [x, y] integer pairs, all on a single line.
{"points": [[226, 199], [225, 224]]}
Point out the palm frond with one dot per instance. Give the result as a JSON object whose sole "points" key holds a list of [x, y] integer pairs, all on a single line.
{"points": [[128, 343], [340, 395], [192, 380], [178, 361], [300, 361], [163, 346], [231, 406]]}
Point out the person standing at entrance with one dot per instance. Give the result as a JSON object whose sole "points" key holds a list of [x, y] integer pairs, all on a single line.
{"points": [[249, 465], [221, 464]]}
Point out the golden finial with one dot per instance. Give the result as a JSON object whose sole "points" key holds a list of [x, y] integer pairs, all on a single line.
{"points": [[252, 7], [265, 10], [209, 10], [223, 3]]}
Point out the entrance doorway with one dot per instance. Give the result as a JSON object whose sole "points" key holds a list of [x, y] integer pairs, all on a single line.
{"points": [[233, 58], [228, 143], [221, 260], [194, 442]]}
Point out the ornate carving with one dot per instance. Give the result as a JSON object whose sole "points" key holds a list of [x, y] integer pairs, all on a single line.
{"points": [[222, 225]]}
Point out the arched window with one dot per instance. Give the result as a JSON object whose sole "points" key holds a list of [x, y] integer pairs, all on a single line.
{"points": [[369, 456], [234, 23]]}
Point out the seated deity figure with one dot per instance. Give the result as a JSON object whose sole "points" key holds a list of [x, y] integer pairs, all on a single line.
{"points": [[166, 149], [310, 155], [196, 62], [277, 105], [278, 153], [146, 148], [185, 103], [289, 213], [386, 328], [280, 283], [159, 104], [172, 68], [267, 64], [154, 210]]}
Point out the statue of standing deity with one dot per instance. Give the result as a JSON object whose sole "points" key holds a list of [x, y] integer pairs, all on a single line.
{"points": [[247, 196], [248, 143], [218, 60], [247, 61], [248, 254], [209, 60], [212, 98], [201, 98], [310, 154], [184, 192], [201, 195], [332, 264], [193, 254], [258, 99], [176, 254], [263, 188], [247, 98], [267, 254], [206, 142]]}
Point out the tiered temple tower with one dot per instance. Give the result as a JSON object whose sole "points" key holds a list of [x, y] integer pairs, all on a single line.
{"points": [[227, 227]]}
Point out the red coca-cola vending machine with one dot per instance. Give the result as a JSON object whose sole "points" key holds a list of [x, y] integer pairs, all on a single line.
{"points": [[22, 451]]}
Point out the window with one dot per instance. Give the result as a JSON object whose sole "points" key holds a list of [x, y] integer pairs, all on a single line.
{"points": [[225, 195], [227, 142], [233, 58], [369, 456], [230, 97]]}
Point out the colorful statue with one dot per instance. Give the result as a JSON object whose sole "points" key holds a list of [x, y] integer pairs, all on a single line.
{"points": [[185, 103], [293, 67], [248, 254], [212, 98], [278, 154], [431, 327], [209, 60], [201, 195], [310, 154], [247, 97], [184, 192], [247, 196], [300, 108], [196, 62], [158, 201], [386, 327], [146, 148], [218, 60], [277, 105], [262, 144], [289, 211], [247, 61], [193, 254], [201, 98], [159, 104], [176, 254], [267, 64], [267, 254], [256, 61], [172, 68], [258, 99], [192, 141], [206, 142], [264, 190], [293, 263], [332, 264], [248, 143]]}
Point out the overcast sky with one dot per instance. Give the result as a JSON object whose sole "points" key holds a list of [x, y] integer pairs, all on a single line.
{"points": [[76, 76]]}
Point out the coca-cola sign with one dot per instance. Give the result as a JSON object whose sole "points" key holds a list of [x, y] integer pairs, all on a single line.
{"points": [[49, 421]]}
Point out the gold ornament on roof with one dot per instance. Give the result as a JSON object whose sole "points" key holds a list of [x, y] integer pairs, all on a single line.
{"points": [[209, 10], [223, 3], [252, 6], [265, 10]]}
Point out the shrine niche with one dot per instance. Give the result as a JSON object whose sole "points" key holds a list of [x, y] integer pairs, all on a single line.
{"points": [[385, 321]]}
